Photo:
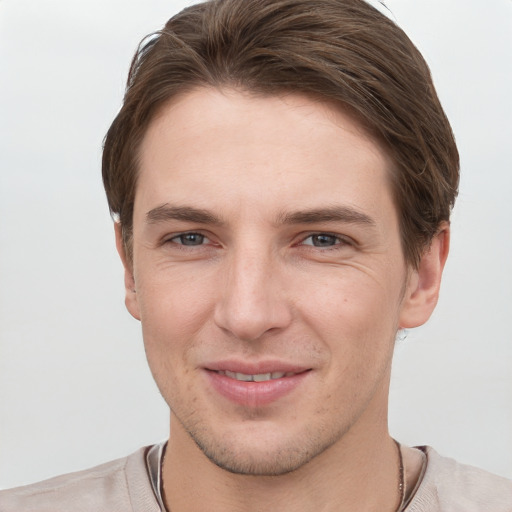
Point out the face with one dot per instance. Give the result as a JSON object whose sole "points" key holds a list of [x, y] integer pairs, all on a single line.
{"points": [[268, 276]]}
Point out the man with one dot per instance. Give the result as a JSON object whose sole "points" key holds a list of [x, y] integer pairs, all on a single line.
{"points": [[282, 176]]}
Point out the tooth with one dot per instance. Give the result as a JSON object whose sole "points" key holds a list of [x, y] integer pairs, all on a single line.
{"points": [[261, 377], [243, 377]]}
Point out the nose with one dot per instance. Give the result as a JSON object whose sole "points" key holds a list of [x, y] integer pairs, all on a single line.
{"points": [[252, 298]]}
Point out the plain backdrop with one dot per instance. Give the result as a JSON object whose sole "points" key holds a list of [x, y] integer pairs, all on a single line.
{"points": [[74, 387]]}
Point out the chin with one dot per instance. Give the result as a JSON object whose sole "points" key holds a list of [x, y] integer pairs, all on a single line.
{"points": [[268, 464], [266, 457]]}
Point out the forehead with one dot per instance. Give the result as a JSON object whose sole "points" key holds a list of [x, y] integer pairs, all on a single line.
{"points": [[228, 148]]}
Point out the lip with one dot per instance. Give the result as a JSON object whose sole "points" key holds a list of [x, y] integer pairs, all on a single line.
{"points": [[254, 394], [252, 368]]}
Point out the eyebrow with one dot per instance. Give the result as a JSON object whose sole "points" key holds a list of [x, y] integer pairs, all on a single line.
{"points": [[344, 214], [330, 214], [167, 212]]}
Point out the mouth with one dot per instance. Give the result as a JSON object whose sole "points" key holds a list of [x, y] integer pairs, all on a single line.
{"points": [[257, 377], [256, 388]]}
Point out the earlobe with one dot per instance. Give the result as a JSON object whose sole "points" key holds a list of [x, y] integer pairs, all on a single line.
{"points": [[423, 285], [131, 300]]}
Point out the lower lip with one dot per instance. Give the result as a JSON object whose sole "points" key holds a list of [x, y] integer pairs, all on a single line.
{"points": [[254, 394]]}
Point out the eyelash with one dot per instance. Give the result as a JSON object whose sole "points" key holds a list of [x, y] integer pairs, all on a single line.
{"points": [[183, 235], [339, 241]]}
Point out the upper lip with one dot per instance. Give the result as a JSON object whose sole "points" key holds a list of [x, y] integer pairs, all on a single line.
{"points": [[255, 368]]}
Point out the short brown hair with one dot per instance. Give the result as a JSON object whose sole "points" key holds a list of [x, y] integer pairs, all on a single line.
{"points": [[344, 51]]}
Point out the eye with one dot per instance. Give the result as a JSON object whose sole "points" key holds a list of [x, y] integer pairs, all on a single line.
{"points": [[323, 240], [189, 239]]}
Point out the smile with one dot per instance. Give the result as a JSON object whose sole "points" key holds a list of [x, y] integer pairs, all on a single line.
{"points": [[255, 389], [258, 377]]}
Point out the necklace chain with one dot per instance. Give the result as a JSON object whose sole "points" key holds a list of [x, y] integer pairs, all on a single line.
{"points": [[401, 477]]}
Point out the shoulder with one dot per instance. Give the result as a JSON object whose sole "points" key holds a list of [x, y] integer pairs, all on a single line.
{"points": [[450, 486], [122, 484]]}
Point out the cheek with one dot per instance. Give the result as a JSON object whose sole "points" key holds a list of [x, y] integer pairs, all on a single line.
{"points": [[173, 301], [354, 313], [174, 308], [170, 323]]}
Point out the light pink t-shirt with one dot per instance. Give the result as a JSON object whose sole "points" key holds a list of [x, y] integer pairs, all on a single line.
{"points": [[131, 485]]}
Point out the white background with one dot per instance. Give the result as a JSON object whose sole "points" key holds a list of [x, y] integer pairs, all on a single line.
{"points": [[74, 387]]}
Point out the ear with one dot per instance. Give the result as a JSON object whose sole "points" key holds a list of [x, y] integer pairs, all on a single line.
{"points": [[422, 291], [131, 301]]}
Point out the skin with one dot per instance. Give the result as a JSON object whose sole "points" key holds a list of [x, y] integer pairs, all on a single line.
{"points": [[295, 259]]}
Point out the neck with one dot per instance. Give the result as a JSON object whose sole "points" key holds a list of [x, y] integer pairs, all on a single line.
{"points": [[359, 472]]}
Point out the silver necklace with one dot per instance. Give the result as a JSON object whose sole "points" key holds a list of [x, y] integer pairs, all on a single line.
{"points": [[401, 477]]}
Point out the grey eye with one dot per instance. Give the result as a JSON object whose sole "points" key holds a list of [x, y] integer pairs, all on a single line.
{"points": [[321, 240], [190, 239]]}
